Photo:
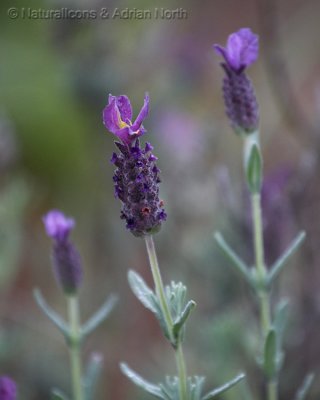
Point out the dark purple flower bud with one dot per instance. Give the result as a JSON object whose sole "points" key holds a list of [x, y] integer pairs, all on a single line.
{"points": [[117, 117], [136, 182], [65, 257], [8, 388], [238, 92]]}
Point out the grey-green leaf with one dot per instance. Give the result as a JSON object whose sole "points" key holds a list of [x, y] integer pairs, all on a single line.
{"points": [[181, 320], [282, 261], [270, 354], [305, 387], [56, 394], [141, 382], [50, 313], [254, 169], [223, 388], [142, 291], [280, 320], [236, 261], [99, 316], [92, 374]]}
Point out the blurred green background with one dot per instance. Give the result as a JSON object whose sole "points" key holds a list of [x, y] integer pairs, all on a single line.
{"points": [[55, 76]]}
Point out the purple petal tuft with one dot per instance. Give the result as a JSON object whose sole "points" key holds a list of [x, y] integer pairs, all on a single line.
{"points": [[117, 118], [242, 49], [57, 225], [142, 114]]}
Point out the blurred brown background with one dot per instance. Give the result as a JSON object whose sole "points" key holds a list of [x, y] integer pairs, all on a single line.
{"points": [[55, 76]]}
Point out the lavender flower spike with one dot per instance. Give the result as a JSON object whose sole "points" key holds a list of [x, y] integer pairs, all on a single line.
{"points": [[136, 178], [8, 388], [117, 117], [65, 257], [239, 97]]}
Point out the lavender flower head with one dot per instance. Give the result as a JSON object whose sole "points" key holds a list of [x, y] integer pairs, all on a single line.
{"points": [[8, 388], [241, 105], [66, 259], [136, 178]]}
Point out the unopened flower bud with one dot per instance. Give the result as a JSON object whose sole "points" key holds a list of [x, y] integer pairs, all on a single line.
{"points": [[238, 92], [65, 257]]}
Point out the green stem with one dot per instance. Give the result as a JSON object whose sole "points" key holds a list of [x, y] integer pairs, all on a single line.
{"points": [[262, 291], [260, 264], [74, 347], [181, 365], [159, 288]]}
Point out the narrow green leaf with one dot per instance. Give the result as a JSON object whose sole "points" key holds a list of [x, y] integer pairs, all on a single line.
{"points": [[50, 313], [305, 387], [141, 382], [254, 169], [223, 388], [195, 385], [270, 354], [236, 261], [143, 292], [181, 320], [92, 374], [56, 394], [281, 262], [280, 319], [99, 316]]}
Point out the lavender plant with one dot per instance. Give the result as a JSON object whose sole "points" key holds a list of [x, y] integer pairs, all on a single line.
{"points": [[67, 268], [242, 109], [136, 182]]}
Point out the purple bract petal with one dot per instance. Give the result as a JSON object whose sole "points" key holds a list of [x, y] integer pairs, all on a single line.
{"points": [[8, 389], [242, 49], [57, 225], [111, 115], [117, 118], [125, 134], [142, 114], [125, 108]]}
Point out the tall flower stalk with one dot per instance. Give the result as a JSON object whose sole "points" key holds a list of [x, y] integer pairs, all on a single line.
{"points": [[67, 268], [136, 182], [160, 292], [242, 109]]}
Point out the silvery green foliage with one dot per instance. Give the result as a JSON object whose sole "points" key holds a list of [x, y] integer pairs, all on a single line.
{"points": [[176, 297], [169, 390], [180, 310], [248, 273], [305, 387], [272, 356], [56, 394], [94, 321], [93, 372], [95, 363]]}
